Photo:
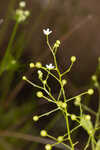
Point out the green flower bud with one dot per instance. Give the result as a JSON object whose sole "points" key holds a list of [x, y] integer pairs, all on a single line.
{"points": [[39, 94], [38, 65], [73, 117], [43, 133], [90, 91], [31, 65], [48, 147], [77, 101], [94, 78], [73, 59], [35, 118], [40, 74], [24, 78], [58, 42]]}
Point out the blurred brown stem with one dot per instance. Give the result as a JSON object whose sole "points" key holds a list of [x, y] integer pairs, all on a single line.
{"points": [[28, 138]]}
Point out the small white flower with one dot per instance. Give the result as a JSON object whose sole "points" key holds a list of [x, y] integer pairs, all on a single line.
{"points": [[47, 31], [22, 4], [50, 66]]}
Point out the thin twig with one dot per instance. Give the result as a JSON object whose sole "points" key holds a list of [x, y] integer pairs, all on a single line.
{"points": [[28, 137]]}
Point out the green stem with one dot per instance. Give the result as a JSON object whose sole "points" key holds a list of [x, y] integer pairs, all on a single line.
{"points": [[48, 113], [98, 113], [59, 95], [60, 79], [8, 50], [72, 98], [50, 73], [87, 144], [42, 88], [67, 69], [92, 143], [12, 38], [63, 92], [72, 130], [68, 129]]}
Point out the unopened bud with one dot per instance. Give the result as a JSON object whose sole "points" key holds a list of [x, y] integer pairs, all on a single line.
{"points": [[73, 59]]}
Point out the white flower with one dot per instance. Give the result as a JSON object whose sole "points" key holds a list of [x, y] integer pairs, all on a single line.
{"points": [[22, 4], [47, 31], [50, 66]]}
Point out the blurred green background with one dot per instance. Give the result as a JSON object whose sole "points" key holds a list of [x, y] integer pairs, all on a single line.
{"points": [[77, 25]]}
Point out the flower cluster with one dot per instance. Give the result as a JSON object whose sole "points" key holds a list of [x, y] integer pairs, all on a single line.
{"points": [[21, 14]]}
